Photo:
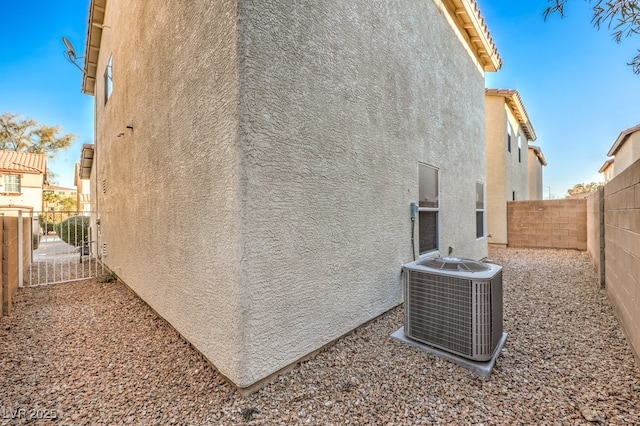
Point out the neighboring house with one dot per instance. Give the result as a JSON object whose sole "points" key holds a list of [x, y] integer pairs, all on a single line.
{"points": [[81, 180], [608, 170], [255, 161], [509, 132], [22, 176], [62, 194], [625, 150], [536, 162]]}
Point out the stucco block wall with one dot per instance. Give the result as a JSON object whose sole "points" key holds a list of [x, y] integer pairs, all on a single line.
{"points": [[595, 231], [548, 224], [261, 202], [622, 250]]}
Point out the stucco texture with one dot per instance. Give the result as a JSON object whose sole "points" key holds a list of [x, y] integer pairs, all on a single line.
{"points": [[261, 202], [506, 173]]}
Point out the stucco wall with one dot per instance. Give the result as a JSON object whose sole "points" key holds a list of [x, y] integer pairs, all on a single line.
{"points": [[31, 192], [167, 191], [595, 231], [627, 154], [622, 250], [261, 202], [535, 177], [340, 102], [549, 223], [496, 125]]}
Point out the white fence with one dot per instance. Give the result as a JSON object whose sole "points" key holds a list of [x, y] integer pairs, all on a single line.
{"points": [[63, 248]]}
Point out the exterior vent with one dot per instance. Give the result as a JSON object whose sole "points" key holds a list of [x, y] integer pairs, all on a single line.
{"points": [[455, 305]]}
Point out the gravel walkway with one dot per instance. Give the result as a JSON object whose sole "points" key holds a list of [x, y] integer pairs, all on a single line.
{"points": [[92, 353]]}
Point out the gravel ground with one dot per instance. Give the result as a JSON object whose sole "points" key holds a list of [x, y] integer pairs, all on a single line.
{"points": [[93, 353]]}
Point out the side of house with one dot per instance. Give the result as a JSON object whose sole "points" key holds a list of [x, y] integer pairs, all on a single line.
{"points": [[509, 131], [625, 149], [608, 170], [22, 177], [536, 162], [83, 190], [256, 167]]}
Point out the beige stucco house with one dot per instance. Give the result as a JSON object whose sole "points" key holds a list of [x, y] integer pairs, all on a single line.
{"points": [[83, 184], [608, 170], [255, 162], [536, 162], [22, 176], [509, 131], [625, 150]]}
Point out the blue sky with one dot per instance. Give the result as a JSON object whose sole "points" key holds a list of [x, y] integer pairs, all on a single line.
{"points": [[36, 81], [573, 79]]}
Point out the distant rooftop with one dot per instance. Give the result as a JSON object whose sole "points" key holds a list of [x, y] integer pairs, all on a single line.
{"points": [[513, 99], [23, 162], [622, 138]]}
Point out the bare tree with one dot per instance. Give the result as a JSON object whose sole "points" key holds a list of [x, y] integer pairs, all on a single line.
{"points": [[621, 17]]}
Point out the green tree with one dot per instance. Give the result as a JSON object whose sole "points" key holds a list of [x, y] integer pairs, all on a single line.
{"points": [[621, 17], [69, 203], [584, 188], [27, 135]]}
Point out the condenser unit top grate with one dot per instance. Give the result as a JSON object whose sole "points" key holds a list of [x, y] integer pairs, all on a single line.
{"points": [[455, 264]]}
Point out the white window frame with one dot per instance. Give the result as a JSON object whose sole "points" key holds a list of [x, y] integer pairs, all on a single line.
{"points": [[509, 135], [435, 209], [481, 207], [108, 79], [10, 186], [519, 146]]}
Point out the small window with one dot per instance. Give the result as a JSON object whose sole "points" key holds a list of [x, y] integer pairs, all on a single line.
{"points": [[108, 80], [479, 209], [514, 195], [12, 183], [509, 133], [520, 147], [428, 208]]}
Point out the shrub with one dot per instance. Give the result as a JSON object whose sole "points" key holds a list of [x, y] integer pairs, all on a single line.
{"points": [[73, 230], [47, 223], [35, 242]]}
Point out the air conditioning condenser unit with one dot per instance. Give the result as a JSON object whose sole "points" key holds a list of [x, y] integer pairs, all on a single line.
{"points": [[455, 304]]}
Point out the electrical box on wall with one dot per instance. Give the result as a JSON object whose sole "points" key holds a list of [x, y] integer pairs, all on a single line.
{"points": [[414, 211]]}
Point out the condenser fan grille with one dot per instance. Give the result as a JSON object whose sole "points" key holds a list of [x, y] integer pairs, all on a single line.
{"points": [[455, 264]]}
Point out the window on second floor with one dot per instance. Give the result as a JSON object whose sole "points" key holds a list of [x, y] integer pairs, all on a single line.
{"points": [[11, 183], [509, 133], [108, 80], [520, 147]]}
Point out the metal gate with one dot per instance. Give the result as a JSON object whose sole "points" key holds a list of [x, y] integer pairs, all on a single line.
{"points": [[63, 248]]}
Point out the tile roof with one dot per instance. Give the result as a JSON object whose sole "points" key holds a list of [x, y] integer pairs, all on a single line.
{"points": [[514, 101], [23, 162], [468, 18]]}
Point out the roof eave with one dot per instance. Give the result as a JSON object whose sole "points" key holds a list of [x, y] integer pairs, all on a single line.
{"points": [[606, 165], [469, 21], [622, 137], [513, 99], [92, 49], [539, 154]]}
